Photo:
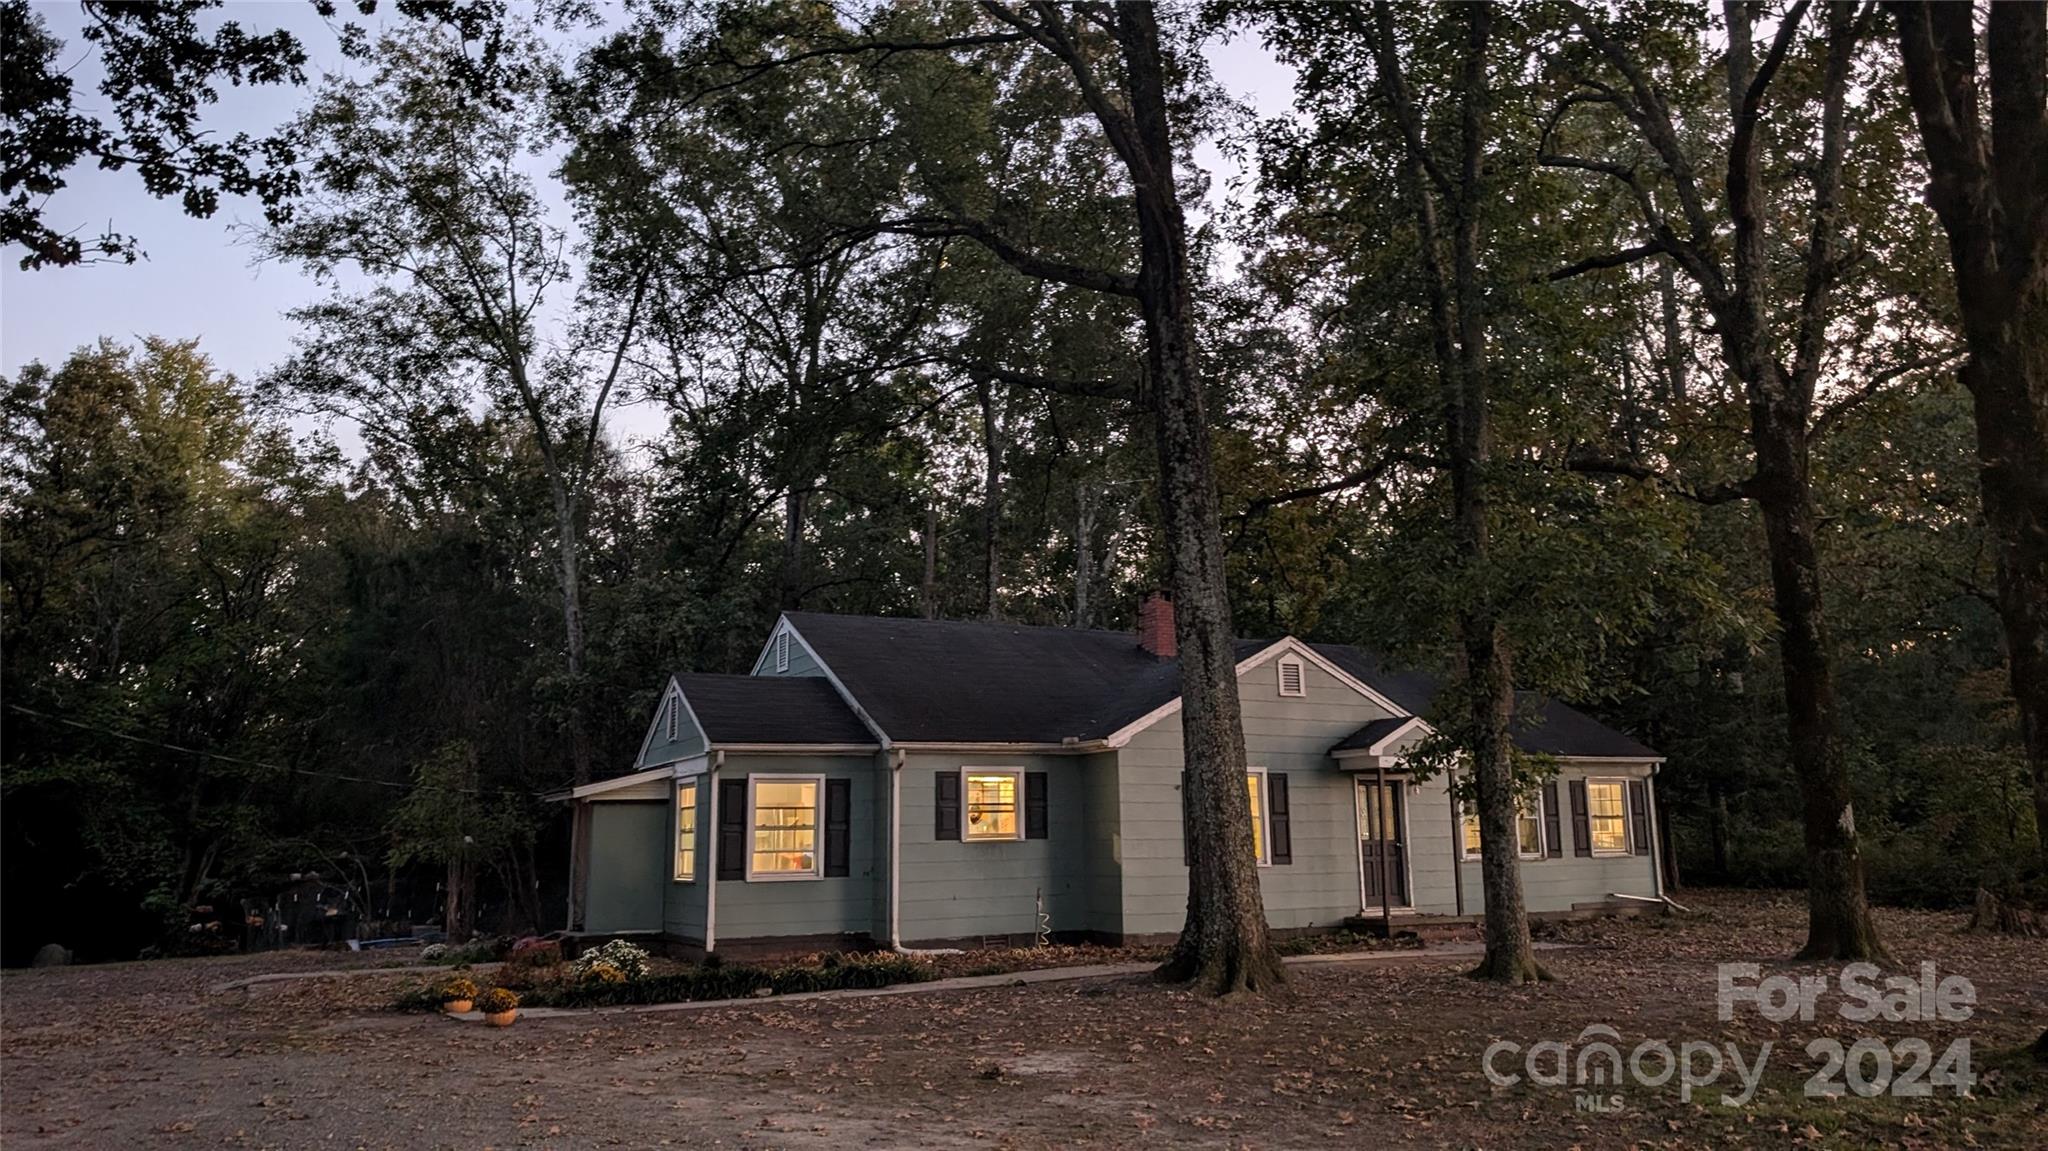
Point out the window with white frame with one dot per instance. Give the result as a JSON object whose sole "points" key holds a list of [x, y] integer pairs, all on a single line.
{"points": [[1293, 680], [786, 817], [1262, 839], [1607, 815], [992, 802], [782, 651], [1528, 830], [686, 830]]}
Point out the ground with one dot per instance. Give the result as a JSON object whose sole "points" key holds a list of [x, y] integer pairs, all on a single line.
{"points": [[1391, 1052]]}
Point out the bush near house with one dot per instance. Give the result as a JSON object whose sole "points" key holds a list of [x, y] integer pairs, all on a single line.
{"points": [[736, 981]]}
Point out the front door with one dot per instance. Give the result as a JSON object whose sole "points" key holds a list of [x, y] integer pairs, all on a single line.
{"points": [[1383, 843]]}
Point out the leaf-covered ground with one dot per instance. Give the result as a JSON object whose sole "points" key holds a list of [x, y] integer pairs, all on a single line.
{"points": [[1355, 1055]]}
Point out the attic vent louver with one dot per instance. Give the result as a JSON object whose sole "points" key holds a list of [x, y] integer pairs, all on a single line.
{"points": [[671, 716], [782, 651], [1291, 681]]}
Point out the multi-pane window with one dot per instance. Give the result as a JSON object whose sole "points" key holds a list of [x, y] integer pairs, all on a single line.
{"points": [[1255, 789], [1528, 831], [686, 830], [785, 826], [1607, 815], [992, 805]]}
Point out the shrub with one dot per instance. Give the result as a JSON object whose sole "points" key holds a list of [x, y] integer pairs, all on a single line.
{"points": [[602, 972], [434, 953], [628, 960], [457, 987], [497, 1001], [738, 981]]}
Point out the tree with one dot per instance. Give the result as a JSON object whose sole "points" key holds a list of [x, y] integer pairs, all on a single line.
{"points": [[1774, 336], [1989, 185], [424, 190]]}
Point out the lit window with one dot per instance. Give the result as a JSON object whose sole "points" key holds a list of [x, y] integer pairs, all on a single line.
{"points": [[992, 805], [686, 830], [1528, 831], [1607, 815], [1254, 781], [785, 827]]}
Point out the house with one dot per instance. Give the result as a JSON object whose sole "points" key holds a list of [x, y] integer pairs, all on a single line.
{"points": [[921, 782]]}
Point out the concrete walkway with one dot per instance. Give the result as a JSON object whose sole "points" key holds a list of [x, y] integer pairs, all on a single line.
{"points": [[1443, 952]]}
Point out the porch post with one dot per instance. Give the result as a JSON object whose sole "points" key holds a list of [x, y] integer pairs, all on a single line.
{"points": [[1379, 835]]}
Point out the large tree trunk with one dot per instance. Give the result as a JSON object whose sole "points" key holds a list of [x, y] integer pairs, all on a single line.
{"points": [[1224, 946], [1084, 557], [569, 566], [1839, 925], [795, 502], [991, 501], [1989, 189], [1458, 328]]}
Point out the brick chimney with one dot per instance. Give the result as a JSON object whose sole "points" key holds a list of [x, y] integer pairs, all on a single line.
{"points": [[1155, 627]]}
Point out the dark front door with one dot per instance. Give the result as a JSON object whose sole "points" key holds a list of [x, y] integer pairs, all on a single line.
{"points": [[1383, 842]]}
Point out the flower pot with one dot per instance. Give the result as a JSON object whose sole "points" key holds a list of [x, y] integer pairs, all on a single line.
{"points": [[502, 1018], [457, 1006]]}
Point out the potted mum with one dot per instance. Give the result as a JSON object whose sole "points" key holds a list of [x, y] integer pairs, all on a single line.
{"points": [[457, 994], [500, 1006]]}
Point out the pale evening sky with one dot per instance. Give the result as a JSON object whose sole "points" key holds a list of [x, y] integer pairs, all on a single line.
{"points": [[200, 280]]}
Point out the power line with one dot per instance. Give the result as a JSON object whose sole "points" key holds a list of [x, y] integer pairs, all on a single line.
{"points": [[315, 773]]}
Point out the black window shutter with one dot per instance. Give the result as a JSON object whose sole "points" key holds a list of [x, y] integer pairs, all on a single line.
{"points": [[1582, 825], [732, 829], [1034, 805], [1551, 822], [1187, 824], [946, 805], [838, 824], [1639, 811], [1276, 817]]}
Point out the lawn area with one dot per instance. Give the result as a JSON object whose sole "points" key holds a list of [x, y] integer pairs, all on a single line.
{"points": [[1355, 1055]]}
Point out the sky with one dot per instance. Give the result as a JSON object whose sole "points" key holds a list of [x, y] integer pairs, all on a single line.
{"points": [[201, 278]]}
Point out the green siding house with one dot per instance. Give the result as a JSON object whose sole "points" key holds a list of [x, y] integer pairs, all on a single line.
{"points": [[895, 782]]}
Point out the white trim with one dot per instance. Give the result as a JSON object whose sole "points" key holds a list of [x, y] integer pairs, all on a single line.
{"points": [[1628, 835], [796, 748], [671, 689], [1125, 734], [621, 782], [1280, 670], [817, 870], [1542, 851], [1076, 747], [1015, 773], [783, 623]]}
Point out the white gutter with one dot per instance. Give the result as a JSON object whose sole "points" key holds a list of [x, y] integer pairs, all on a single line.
{"points": [[711, 876], [895, 864]]}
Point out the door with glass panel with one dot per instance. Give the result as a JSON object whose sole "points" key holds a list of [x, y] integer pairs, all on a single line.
{"points": [[1383, 843]]}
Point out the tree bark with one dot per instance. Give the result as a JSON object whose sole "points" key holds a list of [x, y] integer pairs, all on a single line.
{"points": [[794, 504], [1458, 327], [1780, 399], [1989, 187], [1224, 946], [991, 500], [1084, 558]]}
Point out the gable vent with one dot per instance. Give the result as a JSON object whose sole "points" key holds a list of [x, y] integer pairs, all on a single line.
{"points": [[1291, 680], [782, 651], [670, 717]]}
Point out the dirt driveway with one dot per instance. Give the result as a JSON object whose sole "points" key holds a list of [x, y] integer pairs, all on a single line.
{"points": [[146, 1055]]}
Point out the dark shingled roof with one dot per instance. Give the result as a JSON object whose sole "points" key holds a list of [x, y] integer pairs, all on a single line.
{"points": [[1540, 725], [952, 681], [1372, 733], [740, 709]]}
